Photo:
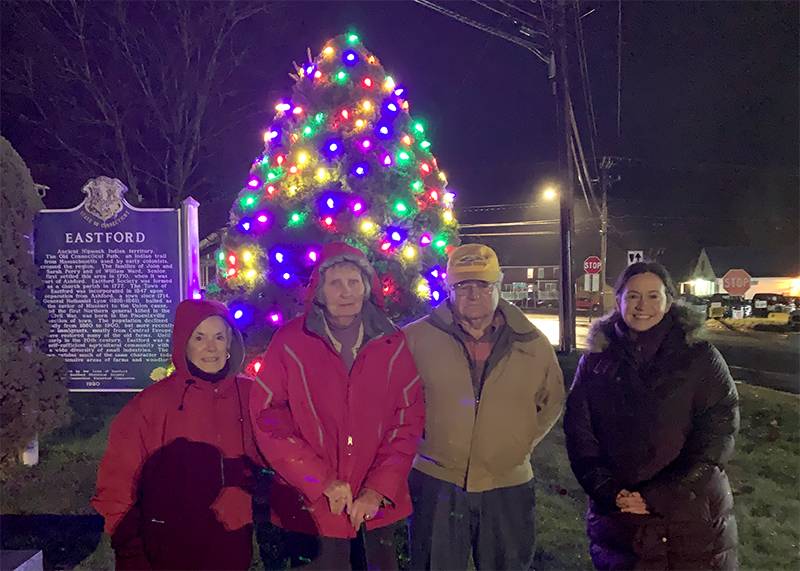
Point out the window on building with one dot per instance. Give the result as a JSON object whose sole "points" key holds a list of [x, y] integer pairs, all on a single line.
{"points": [[541, 273], [530, 273]]}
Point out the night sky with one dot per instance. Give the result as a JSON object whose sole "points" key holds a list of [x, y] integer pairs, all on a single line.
{"points": [[709, 111]]}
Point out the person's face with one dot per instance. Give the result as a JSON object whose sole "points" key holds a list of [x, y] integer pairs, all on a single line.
{"points": [[643, 302], [208, 345], [474, 299], [343, 290]]}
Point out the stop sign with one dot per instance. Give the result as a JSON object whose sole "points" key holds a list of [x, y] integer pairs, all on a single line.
{"points": [[592, 265], [736, 282]]}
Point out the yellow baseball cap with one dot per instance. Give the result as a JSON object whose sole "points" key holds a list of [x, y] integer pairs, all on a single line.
{"points": [[472, 262]]}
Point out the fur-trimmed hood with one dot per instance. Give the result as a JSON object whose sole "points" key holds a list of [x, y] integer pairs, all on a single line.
{"points": [[688, 319]]}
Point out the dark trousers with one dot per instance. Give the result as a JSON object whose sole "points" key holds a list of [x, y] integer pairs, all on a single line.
{"points": [[497, 527], [377, 547]]}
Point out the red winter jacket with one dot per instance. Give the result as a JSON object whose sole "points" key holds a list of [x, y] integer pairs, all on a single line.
{"points": [[316, 423], [173, 484]]}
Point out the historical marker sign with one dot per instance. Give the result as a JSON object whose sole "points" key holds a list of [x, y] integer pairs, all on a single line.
{"points": [[113, 277]]}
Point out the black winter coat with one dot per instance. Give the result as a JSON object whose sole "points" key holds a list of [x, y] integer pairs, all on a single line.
{"points": [[657, 415]]}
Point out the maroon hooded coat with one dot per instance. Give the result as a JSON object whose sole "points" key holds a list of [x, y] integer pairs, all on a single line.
{"points": [[316, 422], [173, 483]]}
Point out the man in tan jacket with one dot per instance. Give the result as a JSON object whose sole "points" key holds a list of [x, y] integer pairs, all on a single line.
{"points": [[493, 390]]}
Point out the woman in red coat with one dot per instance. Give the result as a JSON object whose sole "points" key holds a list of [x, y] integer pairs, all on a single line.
{"points": [[338, 413], [173, 485]]}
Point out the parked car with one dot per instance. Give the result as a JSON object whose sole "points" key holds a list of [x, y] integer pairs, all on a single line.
{"points": [[766, 303], [696, 303], [724, 305], [794, 320], [587, 303]]}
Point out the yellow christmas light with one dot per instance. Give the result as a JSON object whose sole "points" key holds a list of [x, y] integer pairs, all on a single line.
{"points": [[247, 256], [367, 226], [366, 105], [292, 190], [423, 288], [250, 274], [447, 216], [409, 252], [389, 85], [302, 158], [328, 51], [322, 175], [360, 123], [442, 176]]}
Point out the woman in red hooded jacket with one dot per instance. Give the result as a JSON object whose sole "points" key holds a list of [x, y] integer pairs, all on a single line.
{"points": [[173, 485], [338, 413]]}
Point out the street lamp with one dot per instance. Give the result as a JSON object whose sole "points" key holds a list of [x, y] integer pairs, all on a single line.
{"points": [[550, 193]]}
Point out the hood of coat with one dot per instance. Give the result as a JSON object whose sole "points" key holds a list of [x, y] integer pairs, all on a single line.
{"points": [[190, 314], [689, 320]]}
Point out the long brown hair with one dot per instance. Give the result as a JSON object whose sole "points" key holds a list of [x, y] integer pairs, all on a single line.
{"points": [[644, 268]]}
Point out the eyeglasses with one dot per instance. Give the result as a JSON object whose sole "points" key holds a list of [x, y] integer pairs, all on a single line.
{"points": [[479, 287]]}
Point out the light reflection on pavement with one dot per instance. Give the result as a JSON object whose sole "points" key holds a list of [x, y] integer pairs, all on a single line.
{"points": [[548, 324]]}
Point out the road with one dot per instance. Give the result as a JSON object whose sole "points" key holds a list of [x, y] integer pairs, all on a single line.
{"points": [[755, 357]]}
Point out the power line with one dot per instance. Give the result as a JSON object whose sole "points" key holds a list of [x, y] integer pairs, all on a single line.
{"points": [[485, 207], [521, 11], [586, 84], [619, 69], [504, 224], [483, 27], [531, 233]]}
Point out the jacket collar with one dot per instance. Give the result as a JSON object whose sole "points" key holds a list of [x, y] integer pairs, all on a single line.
{"points": [[687, 320], [374, 321], [521, 328]]}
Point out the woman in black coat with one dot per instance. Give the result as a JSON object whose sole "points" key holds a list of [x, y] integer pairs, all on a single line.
{"points": [[650, 423]]}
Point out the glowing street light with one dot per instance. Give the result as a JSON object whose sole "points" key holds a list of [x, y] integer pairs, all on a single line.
{"points": [[550, 193]]}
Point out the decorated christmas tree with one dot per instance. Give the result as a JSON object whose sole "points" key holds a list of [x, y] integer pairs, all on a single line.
{"points": [[344, 161]]}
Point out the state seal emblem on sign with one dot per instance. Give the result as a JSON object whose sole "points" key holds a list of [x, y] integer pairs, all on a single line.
{"points": [[104, 197]]}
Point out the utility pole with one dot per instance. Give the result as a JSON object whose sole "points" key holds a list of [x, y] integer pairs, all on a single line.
{"points": [[605, 165], [566, 199]]}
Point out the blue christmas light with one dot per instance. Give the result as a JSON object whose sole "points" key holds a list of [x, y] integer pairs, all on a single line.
{"points": [[350, 58]]}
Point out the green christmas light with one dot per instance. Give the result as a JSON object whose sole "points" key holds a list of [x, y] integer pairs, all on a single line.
{"points": [[340, 77], [274, 174], [419, 128], [424, 145], [296, 219], [248, 201], [403, 157], [319, 118], [308, 131], [221, 257], [417, 186], [400, 208], [439, 243], [352, 39]]}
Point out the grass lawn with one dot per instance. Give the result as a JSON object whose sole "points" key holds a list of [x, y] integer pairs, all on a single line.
{"points": [[46, 506]]}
